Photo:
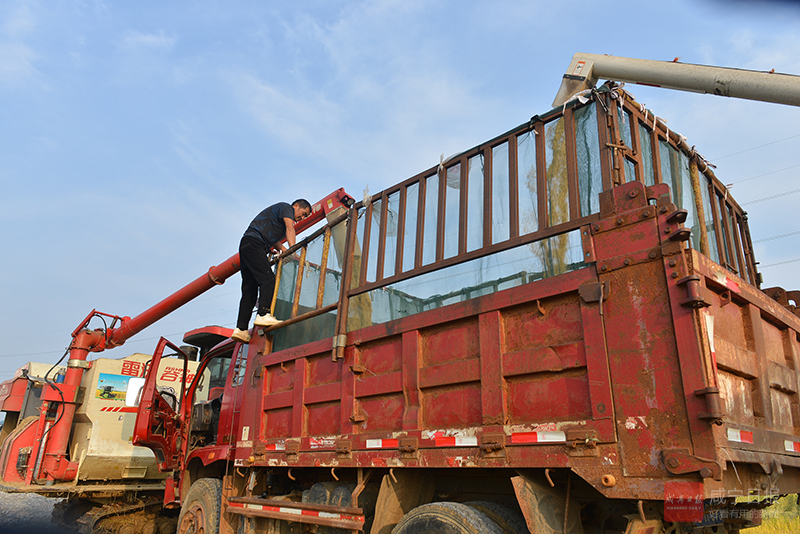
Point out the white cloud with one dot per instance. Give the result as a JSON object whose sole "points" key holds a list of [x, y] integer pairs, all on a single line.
{"points": [[134, 40], [16, 63], [193, 150], [400, 129], [17, 20], [382, 100], [20, 19], [759, 52], [294, 119]]}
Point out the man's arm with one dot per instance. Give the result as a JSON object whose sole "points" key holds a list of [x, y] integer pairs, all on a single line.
{"points": [[290, 235]]}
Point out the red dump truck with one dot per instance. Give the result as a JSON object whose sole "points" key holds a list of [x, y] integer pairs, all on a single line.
{"points": [[559, 330]]}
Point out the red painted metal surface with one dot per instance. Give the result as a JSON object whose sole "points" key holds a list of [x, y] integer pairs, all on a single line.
{"points": [[12, 393], [161, 426]]}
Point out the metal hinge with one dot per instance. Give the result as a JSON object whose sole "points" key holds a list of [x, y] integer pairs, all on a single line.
{"points": [[593, 292], [680, 462], [713, 404], [343, 447], [292, 448], [697, 295], [408, 447], [358, 417], [492, 443]]}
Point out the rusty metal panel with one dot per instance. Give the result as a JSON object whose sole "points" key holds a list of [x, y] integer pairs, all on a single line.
{"points": [[378, 384], [383, 413], [752, 341], [648, 391], [323, 418], [450, 374], [449, 342], [494, 398], [322, 396], [544, 360], [736, 392], [553, 322], [410, 371], [774, 343], [321, 370]]}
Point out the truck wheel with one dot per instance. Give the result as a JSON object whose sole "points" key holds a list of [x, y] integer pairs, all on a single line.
{"points": [[446, 518], [200, 509], [510, 521]]}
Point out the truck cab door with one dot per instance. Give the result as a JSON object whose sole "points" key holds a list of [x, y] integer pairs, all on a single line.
{"points": [[159, 422]]}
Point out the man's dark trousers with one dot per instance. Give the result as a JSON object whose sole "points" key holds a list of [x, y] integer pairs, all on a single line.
{"points": [[258, 280]]}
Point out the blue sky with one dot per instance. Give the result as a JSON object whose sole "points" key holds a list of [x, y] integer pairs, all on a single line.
{"points": [[139, 139]]}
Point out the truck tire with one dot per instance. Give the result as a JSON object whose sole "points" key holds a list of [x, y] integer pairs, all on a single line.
{"points": [[200, 508], [510, 521], [321, 492], [446, 518]]}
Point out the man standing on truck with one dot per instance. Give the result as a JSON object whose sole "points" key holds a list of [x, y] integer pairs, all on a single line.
{"points": [[264, 234]]}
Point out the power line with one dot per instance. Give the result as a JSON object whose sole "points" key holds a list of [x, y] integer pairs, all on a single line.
{"points": [[779, 263], [756, 147], [772, 197], [40, 335], [31, 354], [765, 174], [776, 237], [135, 338]]}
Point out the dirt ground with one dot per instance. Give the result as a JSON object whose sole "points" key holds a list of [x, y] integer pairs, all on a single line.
{"points": [[26, 514]]}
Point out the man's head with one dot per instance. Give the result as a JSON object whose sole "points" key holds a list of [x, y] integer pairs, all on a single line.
{"points": [[302, 209]]}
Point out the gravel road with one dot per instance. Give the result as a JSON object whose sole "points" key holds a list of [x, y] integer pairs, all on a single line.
{"points": [[23, 513]]}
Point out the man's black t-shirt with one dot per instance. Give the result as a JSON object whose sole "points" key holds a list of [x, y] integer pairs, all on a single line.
{"points": [[268, 226]]}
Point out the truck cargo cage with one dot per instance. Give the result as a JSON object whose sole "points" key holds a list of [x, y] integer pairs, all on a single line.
{"points": [[503, 214]]}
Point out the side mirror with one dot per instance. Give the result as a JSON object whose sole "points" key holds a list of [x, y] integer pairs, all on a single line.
{"points": [[134, 391]]}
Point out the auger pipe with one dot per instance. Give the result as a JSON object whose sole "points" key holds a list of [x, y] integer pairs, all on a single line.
{"points": [[586, 69], [130, 327]]}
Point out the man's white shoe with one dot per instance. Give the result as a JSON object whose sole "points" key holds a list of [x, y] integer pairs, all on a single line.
{"points": [[266, 320], [242, 336]]}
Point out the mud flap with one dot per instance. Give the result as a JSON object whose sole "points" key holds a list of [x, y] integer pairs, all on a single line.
{"points": [[544, 506], [400, 493]]}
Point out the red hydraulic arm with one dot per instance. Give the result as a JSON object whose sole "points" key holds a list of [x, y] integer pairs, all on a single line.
{"points": [[54, 464]]}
